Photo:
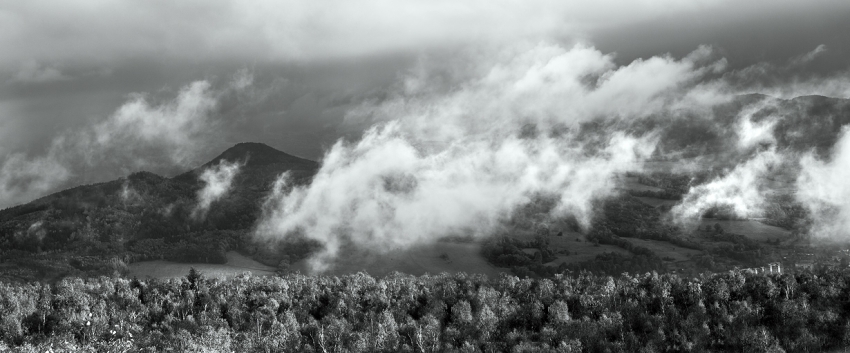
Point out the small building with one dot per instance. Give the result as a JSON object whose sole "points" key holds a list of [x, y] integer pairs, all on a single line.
{"points": [[775, 267]]}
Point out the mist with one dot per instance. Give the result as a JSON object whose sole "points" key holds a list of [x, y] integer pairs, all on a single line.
{"points": [[822, 187], [144, 133], [455, 149], [217, 183], [741, 192], [430, 118]]}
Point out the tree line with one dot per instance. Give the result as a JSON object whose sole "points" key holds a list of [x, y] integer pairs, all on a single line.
{"points": [[731, 311]]}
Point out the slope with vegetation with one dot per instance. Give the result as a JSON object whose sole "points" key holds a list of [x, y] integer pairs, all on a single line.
{"points": [[98, 229]]}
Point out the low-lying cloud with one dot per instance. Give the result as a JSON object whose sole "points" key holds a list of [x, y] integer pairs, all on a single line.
{"points": [[23, 178], [751, 133], [217, 181], [143, 133], [175, 129], [456, 148], [383, 193], [740, 192], [823, 188]]}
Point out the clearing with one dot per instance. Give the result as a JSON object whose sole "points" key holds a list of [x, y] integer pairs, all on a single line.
{"points": [[666, 249], [754, 230], [580, 249], [450, 257], [654, 202], [236, 265]]}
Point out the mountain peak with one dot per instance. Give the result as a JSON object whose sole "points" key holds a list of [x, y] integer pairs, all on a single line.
{"points": [[255, 154]]}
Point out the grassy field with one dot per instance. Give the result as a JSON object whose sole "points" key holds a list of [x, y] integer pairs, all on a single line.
{"points": [[657, 202], [631, 183], [432, 259], [665, 249], [236, 265], [752, 229], [580, 249]]}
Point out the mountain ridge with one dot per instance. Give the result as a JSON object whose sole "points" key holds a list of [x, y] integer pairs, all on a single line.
{"points": [[94, 229], [147, 216], [254, 154]]}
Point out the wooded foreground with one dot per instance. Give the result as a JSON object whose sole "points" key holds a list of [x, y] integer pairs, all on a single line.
{"points": [[731, 311]]}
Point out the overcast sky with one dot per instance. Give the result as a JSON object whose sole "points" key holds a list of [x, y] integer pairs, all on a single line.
{"points": [[109, 79]]}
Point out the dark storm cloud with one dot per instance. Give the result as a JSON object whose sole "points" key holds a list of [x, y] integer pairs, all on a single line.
{"points": [[746, 33], [48, 35], [74, 65]]}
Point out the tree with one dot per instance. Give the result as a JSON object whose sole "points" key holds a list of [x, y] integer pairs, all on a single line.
{"points": [[559, 313], [538, 257], [194, 277], [384, 333], [486, 322]]}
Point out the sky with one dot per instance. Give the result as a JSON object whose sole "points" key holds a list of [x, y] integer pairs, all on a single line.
{"points": [[92, 90]]}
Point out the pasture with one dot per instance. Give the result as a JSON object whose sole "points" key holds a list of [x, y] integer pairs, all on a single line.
{"points": [[632, 183], [754, 230], [236, 265], [580, 249], [450, 257], [665, 249], [654, 202]]}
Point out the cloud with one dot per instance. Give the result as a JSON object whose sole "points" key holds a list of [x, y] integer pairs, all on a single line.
{"points": [[164, 134], [33, 72], [217, 183], [741, 192], [822, 187], [23, 177], [242, 80], [383, 193], [754, 133], [78, 32], [458, 146], [128, 194], [836, 85], [542, 84], [790, 80], [808, 57], [175, 129]]}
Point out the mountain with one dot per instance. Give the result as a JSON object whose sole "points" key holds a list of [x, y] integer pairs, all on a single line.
{"points": [[99, 228], [142, 216], [799, 125], [257, 157]]}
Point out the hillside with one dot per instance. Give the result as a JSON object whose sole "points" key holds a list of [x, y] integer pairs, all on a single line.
{"points": [[634, 231], [799, 124], [101, 227]]}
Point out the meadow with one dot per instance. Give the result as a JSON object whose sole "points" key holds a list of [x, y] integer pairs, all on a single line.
{"points": [[237, 264], [443, 256], [752, 229]]}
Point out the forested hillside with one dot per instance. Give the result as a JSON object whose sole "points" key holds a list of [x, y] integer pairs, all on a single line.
{"points": [[100, 228], [731, 311]]}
